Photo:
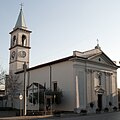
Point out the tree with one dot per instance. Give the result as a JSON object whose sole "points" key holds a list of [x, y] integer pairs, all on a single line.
{"points": [[56, 96], [12, 86], [119, 97], [2, 78]]}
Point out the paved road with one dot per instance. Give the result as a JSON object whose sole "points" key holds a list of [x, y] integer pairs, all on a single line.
{"points": [[104, 116]]}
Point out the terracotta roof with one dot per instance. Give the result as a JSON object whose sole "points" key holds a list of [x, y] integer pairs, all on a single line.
{"points": [[87, 55]]}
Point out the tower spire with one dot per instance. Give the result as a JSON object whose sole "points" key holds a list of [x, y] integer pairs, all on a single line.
{"points": [[21, 20]]}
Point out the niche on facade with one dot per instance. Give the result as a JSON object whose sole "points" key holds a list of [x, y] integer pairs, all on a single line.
{"points": [[99, 78]]}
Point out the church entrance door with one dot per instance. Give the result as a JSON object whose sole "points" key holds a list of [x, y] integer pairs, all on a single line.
{"points": [[100, 101]]}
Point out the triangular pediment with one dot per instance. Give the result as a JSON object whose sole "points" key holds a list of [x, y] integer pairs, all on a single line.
{"points": [[35, 86], [103, 59], [96, 55]]}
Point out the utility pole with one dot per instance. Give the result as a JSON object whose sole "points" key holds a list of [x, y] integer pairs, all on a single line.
{"points": [[24, 68]]}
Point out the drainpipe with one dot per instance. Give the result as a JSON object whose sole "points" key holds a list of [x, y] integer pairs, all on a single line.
{"points": [[50, 75], [85, 84]]}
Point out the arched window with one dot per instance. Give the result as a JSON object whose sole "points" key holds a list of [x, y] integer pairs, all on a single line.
{"points": [[14, 41], [24, 40]]}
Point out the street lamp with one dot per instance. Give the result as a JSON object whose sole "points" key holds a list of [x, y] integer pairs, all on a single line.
{"points": [[24, 68], [20, 97]]}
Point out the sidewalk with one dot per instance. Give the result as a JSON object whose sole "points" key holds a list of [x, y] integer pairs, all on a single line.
{"points": [[24, 117]]}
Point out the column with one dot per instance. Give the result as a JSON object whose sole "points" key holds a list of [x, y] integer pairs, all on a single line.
{"points": [[77, 93]]}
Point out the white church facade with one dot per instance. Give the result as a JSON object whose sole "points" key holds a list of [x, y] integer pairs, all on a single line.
{"points": [[84, 77]]}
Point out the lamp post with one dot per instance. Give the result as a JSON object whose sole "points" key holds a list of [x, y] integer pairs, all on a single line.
{"points": [[24, 68]]}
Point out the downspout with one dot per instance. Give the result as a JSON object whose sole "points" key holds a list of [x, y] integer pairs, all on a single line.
{"points": [[86, 81], [50, 75]]}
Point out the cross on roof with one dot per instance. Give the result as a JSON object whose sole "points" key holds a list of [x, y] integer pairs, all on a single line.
{"points": [[97, 42], [21, 5]]}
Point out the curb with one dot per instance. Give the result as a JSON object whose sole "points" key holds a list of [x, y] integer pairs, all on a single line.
{"points": [[25, 117]]}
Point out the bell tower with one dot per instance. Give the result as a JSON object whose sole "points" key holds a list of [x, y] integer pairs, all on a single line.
{"points": [[19, 44]]}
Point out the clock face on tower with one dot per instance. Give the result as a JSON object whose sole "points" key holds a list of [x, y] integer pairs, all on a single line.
{"points": [[22, 54], [12, 57]]}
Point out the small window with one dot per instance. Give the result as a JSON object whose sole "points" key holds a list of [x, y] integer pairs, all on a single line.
{"points": [[99, 59], [54, 86]]}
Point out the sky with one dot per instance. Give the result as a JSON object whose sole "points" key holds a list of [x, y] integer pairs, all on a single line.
{"points": [[61, 26]]}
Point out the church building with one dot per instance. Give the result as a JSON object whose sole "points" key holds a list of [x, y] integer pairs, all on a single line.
{"points": [[87, 79]]}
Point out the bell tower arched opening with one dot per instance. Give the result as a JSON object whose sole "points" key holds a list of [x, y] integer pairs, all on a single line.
{"points": [[24, 40]]}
